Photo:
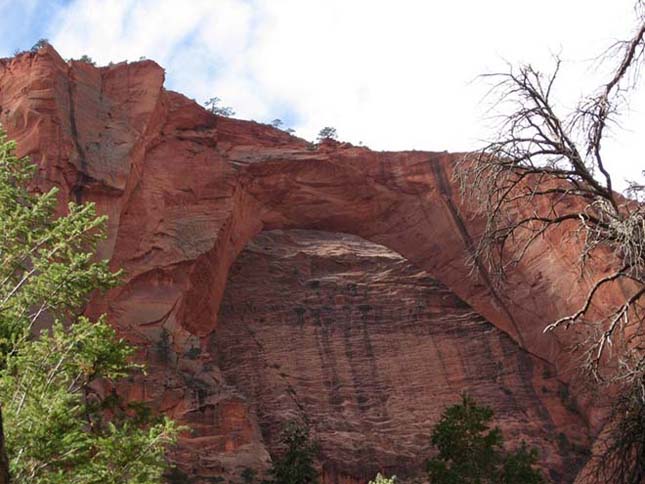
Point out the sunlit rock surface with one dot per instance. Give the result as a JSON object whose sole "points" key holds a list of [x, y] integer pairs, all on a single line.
{"points": [[367, 336]]}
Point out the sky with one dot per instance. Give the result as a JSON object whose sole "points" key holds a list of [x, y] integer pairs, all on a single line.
{"points": [[390, 74]]}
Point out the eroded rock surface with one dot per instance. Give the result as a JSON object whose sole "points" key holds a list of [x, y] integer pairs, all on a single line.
{"points": [[370, 349], [186, 191]]}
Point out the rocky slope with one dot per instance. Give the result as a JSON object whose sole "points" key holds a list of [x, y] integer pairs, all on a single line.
{"points": [[369, 336]]}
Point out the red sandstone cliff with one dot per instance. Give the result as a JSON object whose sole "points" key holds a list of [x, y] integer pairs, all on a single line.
{"points": [[245, 322]]}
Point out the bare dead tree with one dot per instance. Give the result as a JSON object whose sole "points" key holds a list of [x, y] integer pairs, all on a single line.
{"points": [[546, 171], [621, 457]]}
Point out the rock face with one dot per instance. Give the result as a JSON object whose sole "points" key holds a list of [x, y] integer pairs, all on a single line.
{"points": [[371, 349], [250, 307]]}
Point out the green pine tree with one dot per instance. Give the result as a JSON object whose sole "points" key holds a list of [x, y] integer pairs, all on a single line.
{"points": [[470, 452], [58, 427], [296, 464]]}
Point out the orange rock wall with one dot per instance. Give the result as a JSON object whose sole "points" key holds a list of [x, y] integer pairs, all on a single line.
{"points": [[187, 191]]}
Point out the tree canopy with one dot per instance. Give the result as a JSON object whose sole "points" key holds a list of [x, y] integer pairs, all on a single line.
{"points": [[296, 465], [471, 452], [63, 420]]}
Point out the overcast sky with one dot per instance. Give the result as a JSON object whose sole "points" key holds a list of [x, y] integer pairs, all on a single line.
{"points": [[391, 74]]}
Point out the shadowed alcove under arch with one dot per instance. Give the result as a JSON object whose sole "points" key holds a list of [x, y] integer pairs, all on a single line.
{"points": [[353, 338]]}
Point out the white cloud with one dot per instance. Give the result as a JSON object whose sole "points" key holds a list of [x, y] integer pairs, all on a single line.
{"points": [[395, 75], [22, 23]]}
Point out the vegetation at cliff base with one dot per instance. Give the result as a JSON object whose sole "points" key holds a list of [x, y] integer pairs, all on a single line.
{"points": [[471, 452], [63, 422], [380, 479], [296, 465]]}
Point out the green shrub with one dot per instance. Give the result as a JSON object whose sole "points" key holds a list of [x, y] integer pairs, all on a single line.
{"points": [[327, 132], [379, 479], [297, 464], [214, 106], [469, 451]]}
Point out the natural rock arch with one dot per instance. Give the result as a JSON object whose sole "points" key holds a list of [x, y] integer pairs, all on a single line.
{"points": [[404, 201], [186, 191]]}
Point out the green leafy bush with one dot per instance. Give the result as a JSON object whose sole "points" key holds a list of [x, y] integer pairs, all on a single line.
{"points": [[379, 479]]}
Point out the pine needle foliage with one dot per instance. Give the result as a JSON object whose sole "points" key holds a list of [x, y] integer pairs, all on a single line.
{"points": [[297, 463], [471, 452], [58, 425]]}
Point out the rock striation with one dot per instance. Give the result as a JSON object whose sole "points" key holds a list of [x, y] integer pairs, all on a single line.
{"points": [[370, 349], [268, 279]]}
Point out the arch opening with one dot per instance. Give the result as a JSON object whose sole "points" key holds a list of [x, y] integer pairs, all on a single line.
{"points": [[369, 349]]}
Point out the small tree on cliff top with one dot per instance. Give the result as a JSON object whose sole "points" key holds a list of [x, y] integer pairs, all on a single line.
{"points": [[545, 171], [214, 105], [326, 133], [58, 426], [39, 45], [471, 452]]}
